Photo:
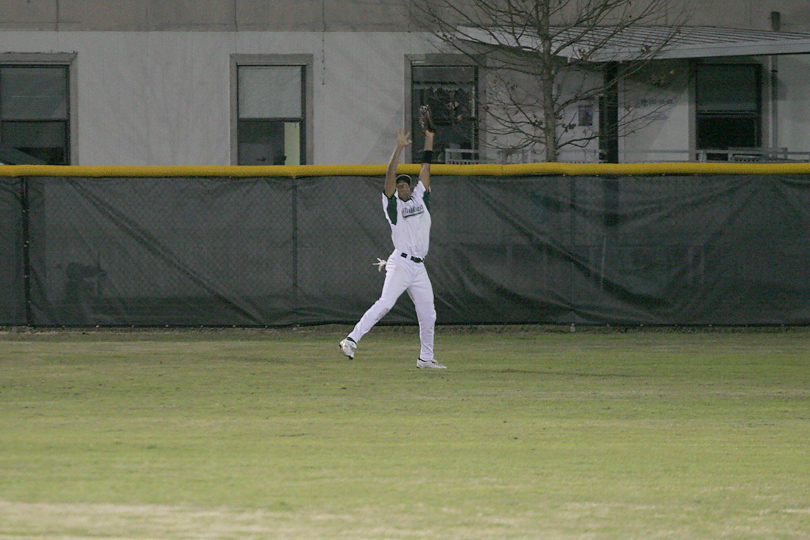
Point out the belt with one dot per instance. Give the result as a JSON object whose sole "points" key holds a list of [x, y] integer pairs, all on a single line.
{"points": [[414, 259]]}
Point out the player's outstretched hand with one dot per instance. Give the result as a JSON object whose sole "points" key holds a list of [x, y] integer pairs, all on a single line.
{"points": [[403, 139]]}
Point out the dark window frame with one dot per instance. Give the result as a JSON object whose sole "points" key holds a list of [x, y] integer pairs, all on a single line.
{"points": [[443, 126], [737, 128]]}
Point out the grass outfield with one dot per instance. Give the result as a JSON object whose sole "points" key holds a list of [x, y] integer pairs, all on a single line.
{"points": [[530, 434]]}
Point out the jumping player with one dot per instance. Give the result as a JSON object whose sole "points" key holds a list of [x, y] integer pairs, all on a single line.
{"points": [[407, 210]]}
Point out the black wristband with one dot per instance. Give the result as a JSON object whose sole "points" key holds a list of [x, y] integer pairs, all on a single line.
{"points": [[427, 156]]}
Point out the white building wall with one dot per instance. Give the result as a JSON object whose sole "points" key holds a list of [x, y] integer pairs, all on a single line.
{"points": [[670, 137], [362, 88], [658, 119], [793, 105], [163, 98]]}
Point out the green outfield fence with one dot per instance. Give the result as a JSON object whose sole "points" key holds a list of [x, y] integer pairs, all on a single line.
{"points": [[553, 243]]}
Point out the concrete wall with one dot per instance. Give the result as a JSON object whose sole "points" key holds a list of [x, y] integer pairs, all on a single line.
{"points": [[316, 15], [752, 14], [205, 15], [793, 103]]}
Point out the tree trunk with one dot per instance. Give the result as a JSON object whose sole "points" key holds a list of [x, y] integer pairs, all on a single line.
{"points": [[547, 81]]}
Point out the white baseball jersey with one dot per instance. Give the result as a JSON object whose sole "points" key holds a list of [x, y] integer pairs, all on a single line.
{"points": [[410, 221]]}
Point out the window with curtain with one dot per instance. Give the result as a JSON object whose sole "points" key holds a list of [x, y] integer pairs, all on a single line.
{"points": [[34, 114], [729, 106], [271, 115]]}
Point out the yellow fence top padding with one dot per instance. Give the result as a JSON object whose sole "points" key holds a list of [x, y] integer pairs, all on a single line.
{"points": [[525, 169]]}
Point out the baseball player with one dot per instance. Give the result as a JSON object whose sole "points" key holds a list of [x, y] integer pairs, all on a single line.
{"points": [[407, 210]]}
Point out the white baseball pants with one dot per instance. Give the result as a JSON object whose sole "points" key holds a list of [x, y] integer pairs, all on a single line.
{"points": [[402, 275]]}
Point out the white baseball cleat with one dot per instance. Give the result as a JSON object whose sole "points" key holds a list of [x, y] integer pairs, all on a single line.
{"points": [[432, 364], [348, 346]]}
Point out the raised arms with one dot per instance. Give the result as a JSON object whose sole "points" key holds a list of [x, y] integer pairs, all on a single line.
{"points": [[403, 140]]}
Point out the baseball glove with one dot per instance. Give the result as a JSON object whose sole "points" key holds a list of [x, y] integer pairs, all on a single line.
{"points": [[426, 119]]}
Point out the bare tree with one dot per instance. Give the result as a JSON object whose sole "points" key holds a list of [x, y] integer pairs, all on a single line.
{"points": [[549, 63]]}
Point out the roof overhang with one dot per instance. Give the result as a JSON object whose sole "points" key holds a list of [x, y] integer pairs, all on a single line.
{"points": [[609, 44]]}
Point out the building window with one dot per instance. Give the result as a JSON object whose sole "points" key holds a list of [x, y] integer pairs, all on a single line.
{"points": [[35, 114], [452, 93], [271, 115], [729, 107]]}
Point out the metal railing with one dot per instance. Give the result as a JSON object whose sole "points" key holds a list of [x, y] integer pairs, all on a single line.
{"points": [[466, 156], [752, 155], [462, 156]]}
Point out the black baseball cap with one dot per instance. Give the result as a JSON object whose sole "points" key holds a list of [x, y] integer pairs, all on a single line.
{"points": [[404, 178]]}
